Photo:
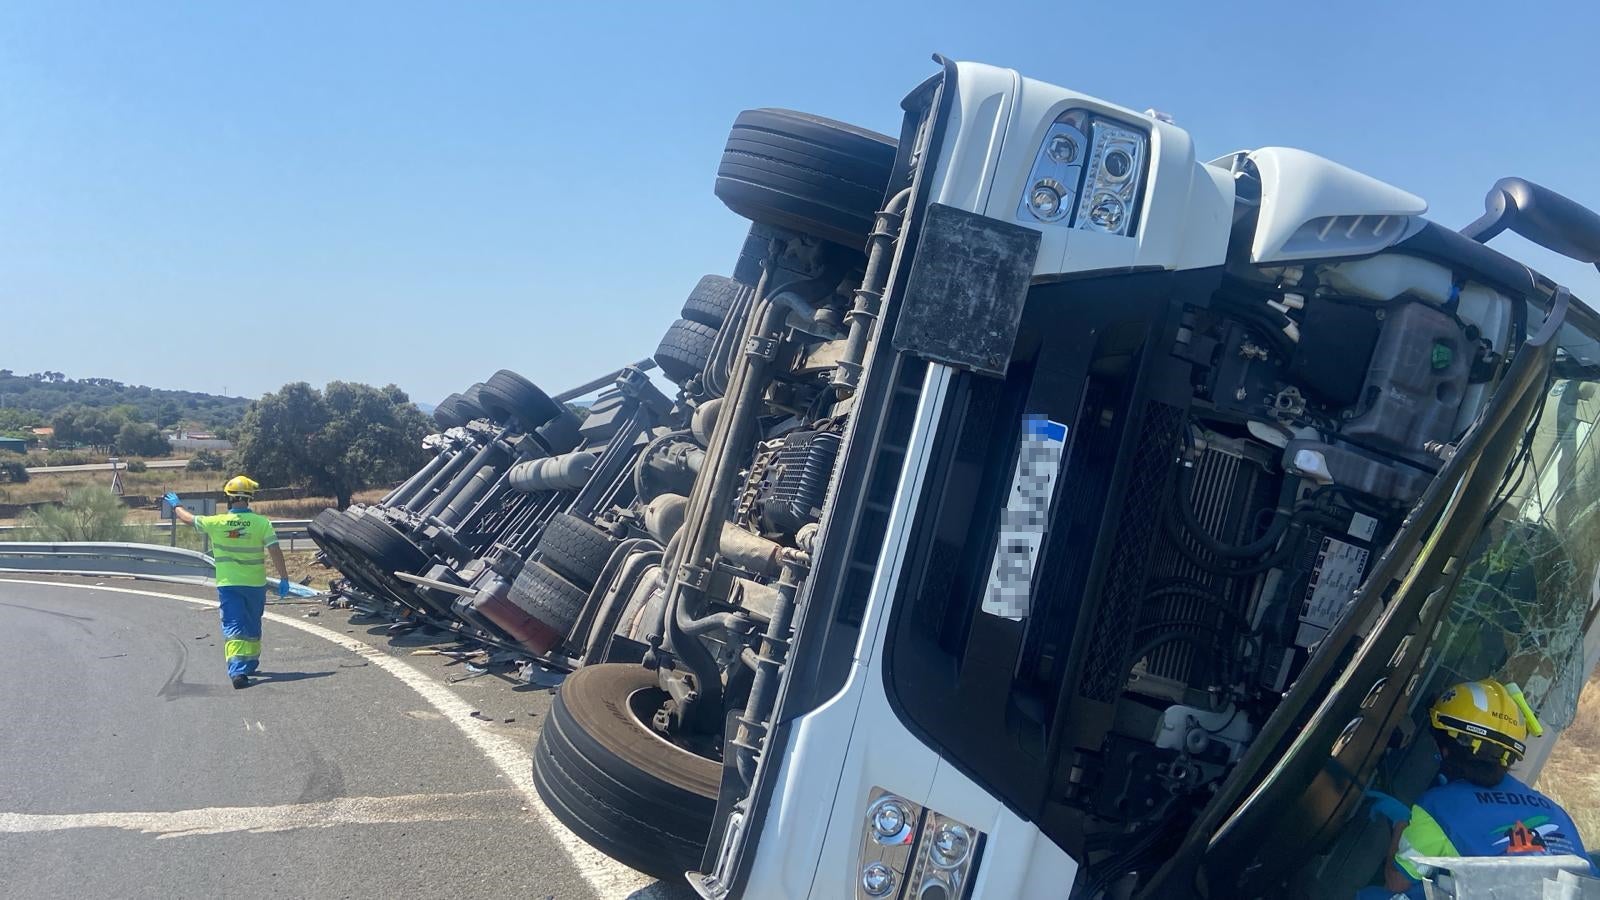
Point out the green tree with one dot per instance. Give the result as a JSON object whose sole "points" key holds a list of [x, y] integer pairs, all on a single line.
{"points": [[89, 514], [13, 471], [168, 414], [336, 441], [88, 425], [141, 439]]}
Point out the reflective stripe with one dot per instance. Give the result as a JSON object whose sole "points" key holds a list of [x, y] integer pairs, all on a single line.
{"points": [[242, 649], [1480, 697], [1423, 837]]}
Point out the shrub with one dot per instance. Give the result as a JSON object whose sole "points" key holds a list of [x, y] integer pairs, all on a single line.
{"points": [[207, 461], [89, 514], [135, 466], [13, 471]]}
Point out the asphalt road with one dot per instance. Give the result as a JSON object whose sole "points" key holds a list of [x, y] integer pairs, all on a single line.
{"points": [[106, 467], [131, 768]]}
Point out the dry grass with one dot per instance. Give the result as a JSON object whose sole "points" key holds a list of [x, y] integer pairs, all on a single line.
{"points": [[152, 482], [308, 507], [1572, 775], [303, 569]]}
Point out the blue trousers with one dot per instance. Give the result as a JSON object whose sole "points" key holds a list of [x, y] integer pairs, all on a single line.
{"points": [[242, 608]]}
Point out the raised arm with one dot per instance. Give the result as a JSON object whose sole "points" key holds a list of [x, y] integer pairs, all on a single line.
{"points": [[182, 515]]}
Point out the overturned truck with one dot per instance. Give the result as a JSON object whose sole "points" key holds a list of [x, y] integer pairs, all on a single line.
{"points": [[1054, 508]]}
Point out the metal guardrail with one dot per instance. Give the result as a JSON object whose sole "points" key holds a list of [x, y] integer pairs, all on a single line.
{"points": [[147, 560], [287, 529], [112, 558]]}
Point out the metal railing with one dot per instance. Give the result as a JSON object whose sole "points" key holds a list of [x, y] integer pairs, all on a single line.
{"points": [[113, 558], [144, 560], [287, 529]]}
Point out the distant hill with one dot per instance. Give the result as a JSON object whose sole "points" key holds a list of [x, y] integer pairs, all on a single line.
{"points": [[42, 394]]}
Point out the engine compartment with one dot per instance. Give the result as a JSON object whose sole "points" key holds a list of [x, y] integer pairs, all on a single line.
{"points": [[1322, 406]]}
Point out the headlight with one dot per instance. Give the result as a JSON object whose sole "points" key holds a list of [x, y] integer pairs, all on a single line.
{"points": [[1087, 174], [912, 853]]}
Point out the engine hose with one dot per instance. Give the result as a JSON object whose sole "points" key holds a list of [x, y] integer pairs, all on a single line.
{"points": [[727, 621], [1188, 637], [1252, 550], [688, 649], [1196, 591], [1179, 539]]}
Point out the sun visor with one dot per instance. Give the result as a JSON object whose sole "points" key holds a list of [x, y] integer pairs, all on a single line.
{"points": [[1315, 208]]}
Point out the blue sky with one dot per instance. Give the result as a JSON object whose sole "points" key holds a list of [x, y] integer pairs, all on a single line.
{"points": [[424, 193]]}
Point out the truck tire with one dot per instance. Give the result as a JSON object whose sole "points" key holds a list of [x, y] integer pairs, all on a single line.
{"points": [[508, 397], [554, 601], [685, 349], [615, 782], [318, 528], [455, 411], [575, 549], [383, 550], [327, 529], [805, 173], [711, 300]]}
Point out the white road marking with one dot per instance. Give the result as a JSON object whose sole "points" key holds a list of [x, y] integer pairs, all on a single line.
{"points": [[606, 876], [262, 819]]}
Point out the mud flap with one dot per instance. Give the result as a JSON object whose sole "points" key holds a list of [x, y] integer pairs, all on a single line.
{"points": [[963, 302]]}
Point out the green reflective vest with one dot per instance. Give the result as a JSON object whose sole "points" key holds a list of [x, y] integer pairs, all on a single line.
{"points": [[239, 542]]}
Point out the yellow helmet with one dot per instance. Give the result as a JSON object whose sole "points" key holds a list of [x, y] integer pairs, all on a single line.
{"points": [[241, 486], [1484, 718]]}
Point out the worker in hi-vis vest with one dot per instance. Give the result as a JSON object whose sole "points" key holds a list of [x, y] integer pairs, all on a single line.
{"points": [[240, 543], [1477, 808]]}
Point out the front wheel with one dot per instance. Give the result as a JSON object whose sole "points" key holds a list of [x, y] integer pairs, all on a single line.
{"points": [[617, 783]]}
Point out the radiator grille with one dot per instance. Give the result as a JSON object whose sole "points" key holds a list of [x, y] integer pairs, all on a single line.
{"points": [[1105, 669]]}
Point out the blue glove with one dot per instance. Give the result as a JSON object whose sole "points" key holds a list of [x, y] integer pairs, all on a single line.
{"points": [[1387, 807], [172, 499], [283, 588]]}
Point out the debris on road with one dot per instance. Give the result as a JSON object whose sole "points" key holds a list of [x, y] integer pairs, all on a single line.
{"points": [[540, 675]]}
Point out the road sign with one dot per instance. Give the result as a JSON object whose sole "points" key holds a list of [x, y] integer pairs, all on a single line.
{"points": [[205, 506]]}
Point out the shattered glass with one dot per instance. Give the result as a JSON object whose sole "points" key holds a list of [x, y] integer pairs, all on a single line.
{"points": [[1519, 611]]}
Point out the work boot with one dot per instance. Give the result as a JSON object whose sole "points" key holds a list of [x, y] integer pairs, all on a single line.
{"points": [[241, 681]]}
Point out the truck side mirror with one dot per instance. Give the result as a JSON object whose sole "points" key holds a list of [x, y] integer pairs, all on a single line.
{"points": [[1540, 215]]}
